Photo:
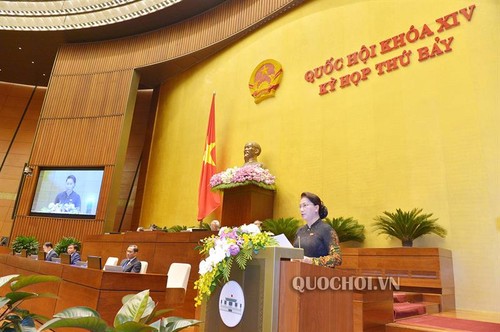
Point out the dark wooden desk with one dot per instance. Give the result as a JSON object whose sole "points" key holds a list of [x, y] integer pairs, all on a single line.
{"points": [[99, 290], [159, 249]]}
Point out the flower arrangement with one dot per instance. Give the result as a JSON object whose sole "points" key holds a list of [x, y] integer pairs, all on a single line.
{"points": [[240, 176], [232, 244], [60, 208]]}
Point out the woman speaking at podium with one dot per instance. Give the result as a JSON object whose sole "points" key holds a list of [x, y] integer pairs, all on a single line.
{"points": [[318, 239]]}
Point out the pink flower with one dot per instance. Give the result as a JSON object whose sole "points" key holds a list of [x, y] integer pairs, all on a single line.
{"points": [[243, 175]]}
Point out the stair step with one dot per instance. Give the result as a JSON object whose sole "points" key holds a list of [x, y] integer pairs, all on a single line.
{"points": [[402, 297], [431, 307], [407, 309]]}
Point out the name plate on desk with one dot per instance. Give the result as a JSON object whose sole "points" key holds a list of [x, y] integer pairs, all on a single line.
{"points": [[113, 268], [94, 262], [65, 258]]}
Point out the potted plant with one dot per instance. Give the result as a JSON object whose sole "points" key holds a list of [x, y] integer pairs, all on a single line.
{"points": [[408, 225], [62, 245], [137, 312], [287, 226], [12, 318], [176, 228], [29, 243], [347, 229]]}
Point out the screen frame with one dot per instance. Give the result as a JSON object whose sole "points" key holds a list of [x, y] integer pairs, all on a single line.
{"points": [[43, 169]]}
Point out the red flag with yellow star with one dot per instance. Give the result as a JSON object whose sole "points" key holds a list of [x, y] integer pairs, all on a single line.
{"points": [[208, 200]]}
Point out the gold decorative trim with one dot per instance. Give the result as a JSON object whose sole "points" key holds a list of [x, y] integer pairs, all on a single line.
{"points": [[48, 16]]}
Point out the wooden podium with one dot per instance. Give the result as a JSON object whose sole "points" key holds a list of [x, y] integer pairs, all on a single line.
{"points": [[245, 204], [272, 304]]}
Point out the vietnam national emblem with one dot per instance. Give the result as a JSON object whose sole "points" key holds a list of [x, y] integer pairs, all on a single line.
{"points": [[265, 80]]}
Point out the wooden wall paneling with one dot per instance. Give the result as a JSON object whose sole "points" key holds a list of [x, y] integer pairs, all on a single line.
{"points": [[120, 155], [87, 141], [53, 229], [105, 246], [105, 190], [90, 95], [169, 43], [92, 91], [17, 111], [27, 188], [145, 157], [129, 178]]}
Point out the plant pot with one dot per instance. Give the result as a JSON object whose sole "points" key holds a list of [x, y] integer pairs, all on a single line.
{"points": [[407, 243]]}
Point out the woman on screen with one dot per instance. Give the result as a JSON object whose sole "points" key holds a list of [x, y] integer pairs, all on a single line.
{"points": [[68, 201]]}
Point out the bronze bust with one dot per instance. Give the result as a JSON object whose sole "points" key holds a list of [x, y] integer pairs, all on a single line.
{"points": [[250, 152]]}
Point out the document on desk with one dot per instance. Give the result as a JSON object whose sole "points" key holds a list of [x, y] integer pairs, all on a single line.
{"points": [[283, 241]]}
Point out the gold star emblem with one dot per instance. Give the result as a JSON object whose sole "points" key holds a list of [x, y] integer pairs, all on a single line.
{"points": [[207, 156]]}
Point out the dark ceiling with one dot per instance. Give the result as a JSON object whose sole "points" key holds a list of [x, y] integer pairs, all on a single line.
{"points": [[27, 57]]}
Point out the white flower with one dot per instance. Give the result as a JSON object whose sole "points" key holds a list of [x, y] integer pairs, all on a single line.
{"points": [[216, 254], [251, 229], [204, 267], [228, 174]]}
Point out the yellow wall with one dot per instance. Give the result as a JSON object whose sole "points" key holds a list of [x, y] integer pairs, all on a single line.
{"points": [[426, 135]]}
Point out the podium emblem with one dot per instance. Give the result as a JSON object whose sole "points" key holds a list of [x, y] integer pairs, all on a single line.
{"points": [[231, 303]]}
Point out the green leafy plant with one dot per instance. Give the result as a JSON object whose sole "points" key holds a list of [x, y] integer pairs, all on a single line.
{"points": [[62, 245], [138, 313], [408, 225], [30, 243], [347, 229], [177, 228], [205, 225], [12, 318], [287, 226]]}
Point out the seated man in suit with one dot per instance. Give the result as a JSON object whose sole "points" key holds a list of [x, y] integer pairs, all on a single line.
{"points": [[131, 263], [50, 253], [73, 252]]}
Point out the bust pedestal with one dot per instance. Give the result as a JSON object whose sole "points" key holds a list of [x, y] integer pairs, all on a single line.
{"points": [[245, 204]]}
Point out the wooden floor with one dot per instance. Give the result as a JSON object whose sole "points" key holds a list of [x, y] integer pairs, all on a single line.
{"points": [[490, 317]]}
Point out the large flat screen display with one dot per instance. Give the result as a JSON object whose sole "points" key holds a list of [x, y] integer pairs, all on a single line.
{"points": [[67, 192]]}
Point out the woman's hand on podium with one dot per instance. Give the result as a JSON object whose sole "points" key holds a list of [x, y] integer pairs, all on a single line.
{"points": [[306, 259]]}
